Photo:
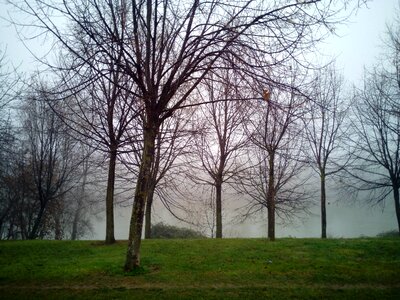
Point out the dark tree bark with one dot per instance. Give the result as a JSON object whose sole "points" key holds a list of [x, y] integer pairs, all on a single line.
{"points": [[323, 206], [110, 238], [149, 203], [155, 177], [135, 230], [396, 197], [271, 196], [218, 207], [35, 229]]}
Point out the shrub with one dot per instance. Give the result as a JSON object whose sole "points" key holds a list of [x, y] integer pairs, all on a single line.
{"points": [[164, 231], [391, 233]]}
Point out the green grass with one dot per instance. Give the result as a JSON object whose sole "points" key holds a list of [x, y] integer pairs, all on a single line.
{"points": [[365, 268]]}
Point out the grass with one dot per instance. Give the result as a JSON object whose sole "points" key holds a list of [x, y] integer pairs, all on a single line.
{"points": [[365, 268]]}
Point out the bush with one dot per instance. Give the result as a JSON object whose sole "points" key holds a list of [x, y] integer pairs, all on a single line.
{"points": [[164, 231], [391, 233]]}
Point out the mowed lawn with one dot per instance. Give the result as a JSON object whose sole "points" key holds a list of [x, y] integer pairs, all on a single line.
{"points": [[365, 268]]}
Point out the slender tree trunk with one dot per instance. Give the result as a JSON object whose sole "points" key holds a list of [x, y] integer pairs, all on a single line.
{"points": [[58, 230], [271, 197], [397, 205], [58, 207], [141, 192], [77, 214], [74, 233], [149, 203], [110, 238], [323, 206], [218, 207]]}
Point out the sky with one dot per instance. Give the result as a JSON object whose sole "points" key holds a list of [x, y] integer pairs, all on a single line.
{"points": [[356, 45]]}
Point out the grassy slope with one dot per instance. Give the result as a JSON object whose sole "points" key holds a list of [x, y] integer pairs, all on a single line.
{"points": [[203, 269]]}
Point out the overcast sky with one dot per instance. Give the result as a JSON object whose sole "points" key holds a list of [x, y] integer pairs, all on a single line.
{"points": [[359, 42], [357, 45]]}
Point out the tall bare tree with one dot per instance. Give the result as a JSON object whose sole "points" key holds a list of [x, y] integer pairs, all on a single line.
{"points": [[377, 127], [221, 138], [323, 128], [103, 114], [51, 154], [274, 130], [7, 140]]}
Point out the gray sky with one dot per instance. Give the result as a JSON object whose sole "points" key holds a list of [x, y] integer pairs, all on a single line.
{"points": [[356, 47], [359, 42]]}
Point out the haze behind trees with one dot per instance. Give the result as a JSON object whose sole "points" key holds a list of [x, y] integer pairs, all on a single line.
{"points": [[126, 69]]}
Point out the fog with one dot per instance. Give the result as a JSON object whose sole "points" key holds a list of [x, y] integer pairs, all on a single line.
{"points": [[345, 218]]}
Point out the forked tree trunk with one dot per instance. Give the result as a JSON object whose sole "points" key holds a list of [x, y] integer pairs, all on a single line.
{"points": [[218, 207], [135, 231], [323, 207], [34, 233], [110, 238], [271, 197]]}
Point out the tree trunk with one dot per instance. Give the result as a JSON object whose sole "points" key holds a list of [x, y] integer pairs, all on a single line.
{"points": [[152, 186], [271, 198], [135, 230], [323, 207], [218, 207], [397, 205], [149, 203], [58, 234], [34, 233], [77, 214], [110, 238], [74, 233]]}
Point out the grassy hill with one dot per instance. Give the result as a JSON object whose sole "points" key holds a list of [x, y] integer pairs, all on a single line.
{"points": [[365, 268]]}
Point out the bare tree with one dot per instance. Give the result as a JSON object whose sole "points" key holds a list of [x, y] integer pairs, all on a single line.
{"points": [[169, 47], [290, 190], [104, 113], [80, 205], [18, 205], [221, 137], [50, 152], [270, 179], [323, 123], [377, 126], [7, 141]]}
